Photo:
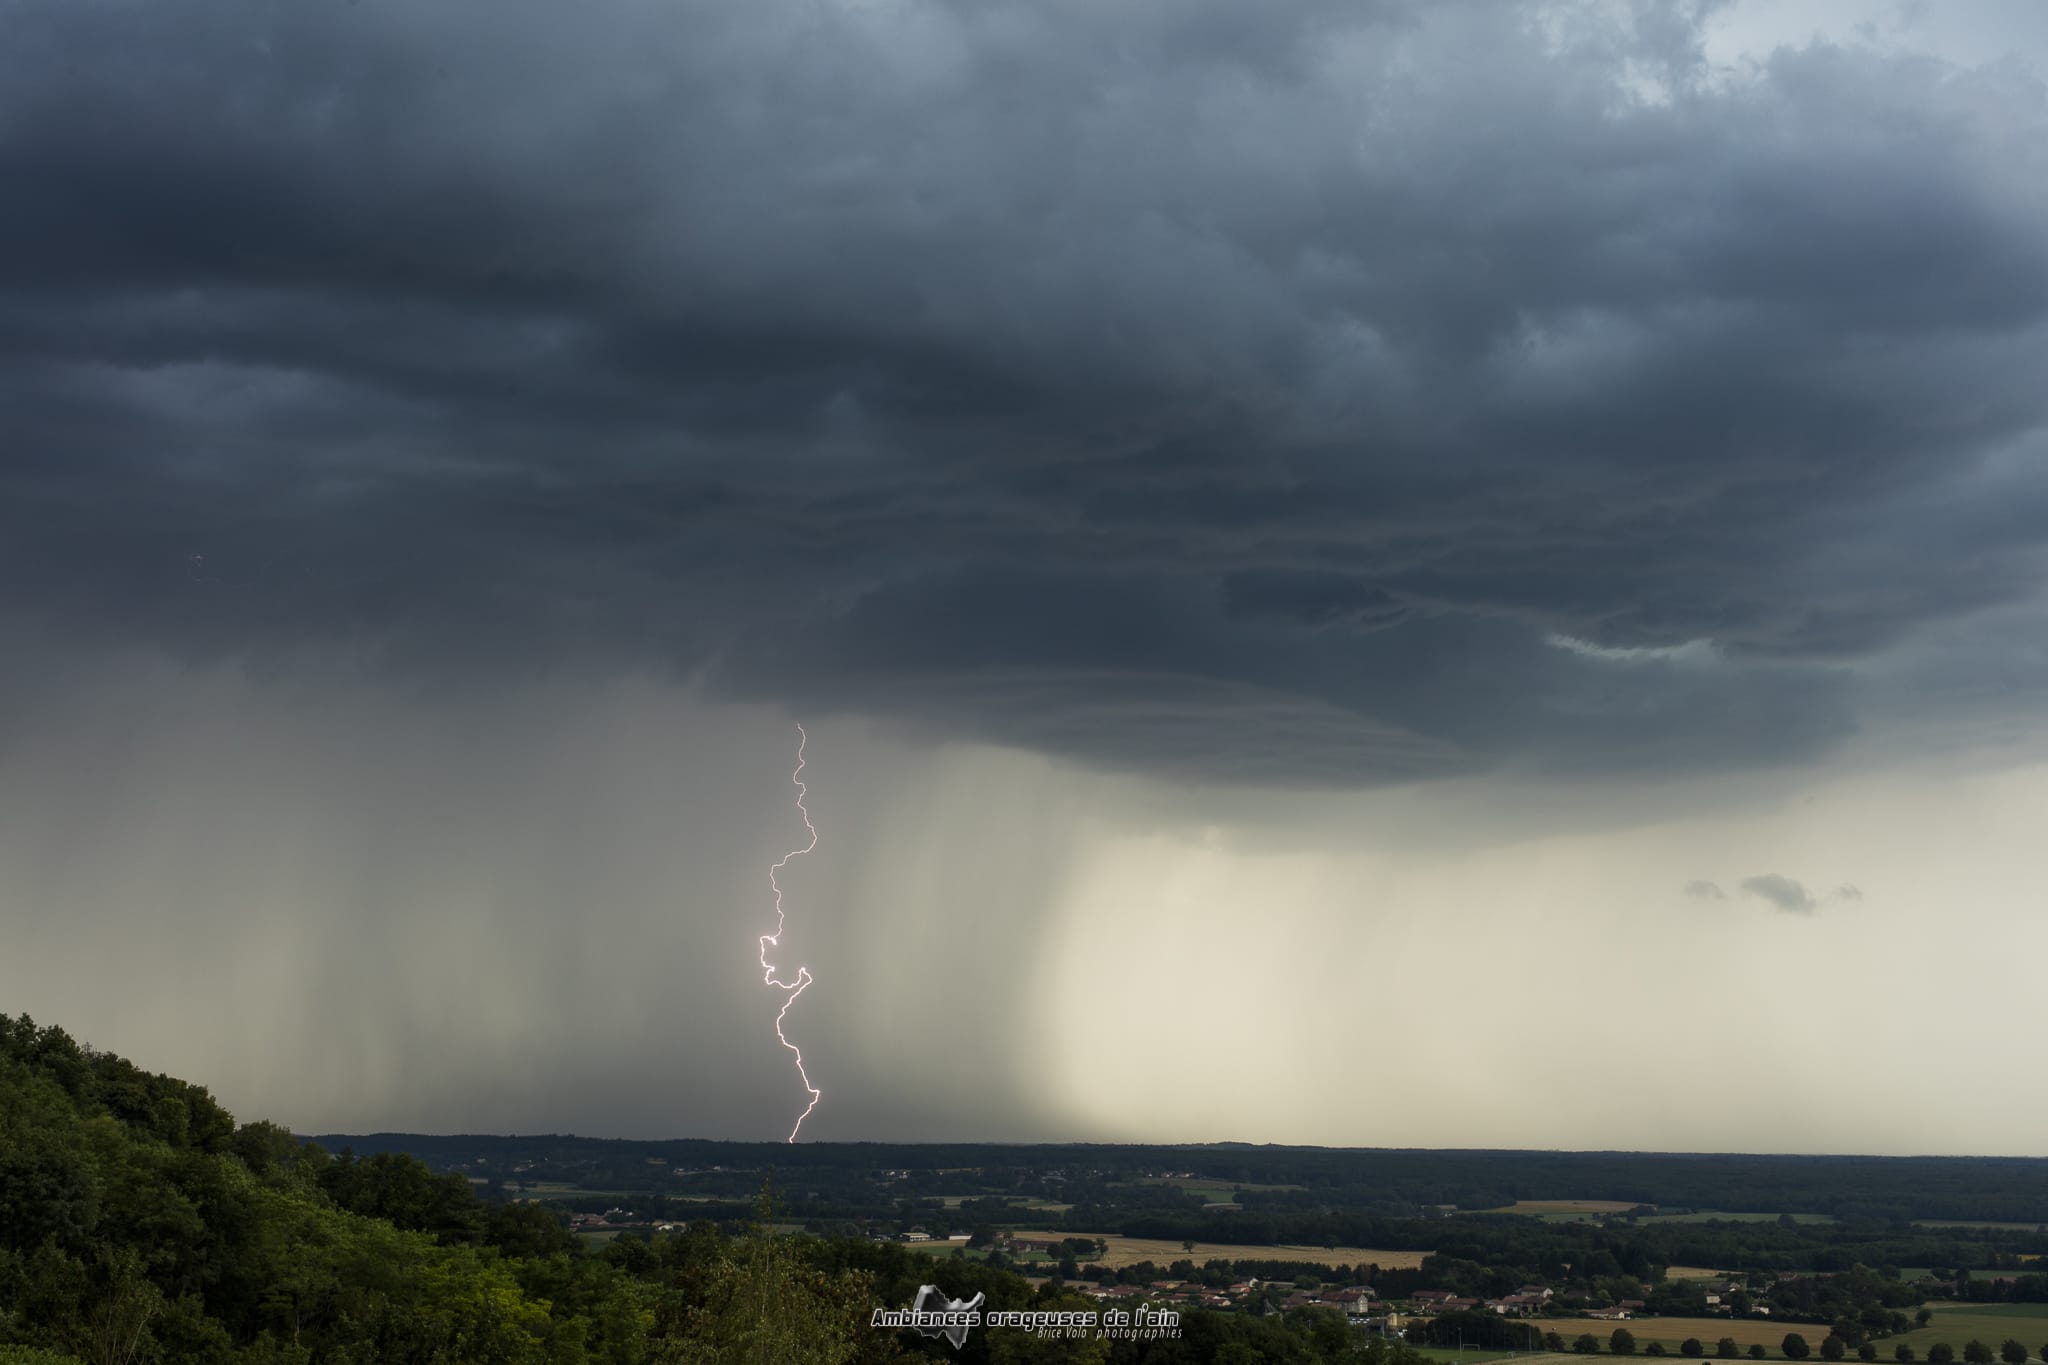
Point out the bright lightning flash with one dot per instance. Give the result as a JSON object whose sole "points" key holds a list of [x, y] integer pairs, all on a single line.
{"points": [[803, 974]]}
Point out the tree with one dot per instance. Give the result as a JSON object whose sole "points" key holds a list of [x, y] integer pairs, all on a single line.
{"points": [[1832, 1347], [1552, 1342], [759, 1302], [1691, 1347], [1867, 1351], [1794, 1346], [1586, 1344], [1923, 1317], [1623, 1342], [1941, 1353], [1655, 1348], [1726, 1349], [1902, 1353], [1976, 1352], [1756, 1350], [2012, 1353]]}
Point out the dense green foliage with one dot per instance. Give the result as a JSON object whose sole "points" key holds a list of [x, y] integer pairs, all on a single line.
{"points": [[137, 1222], [140, 1224]]}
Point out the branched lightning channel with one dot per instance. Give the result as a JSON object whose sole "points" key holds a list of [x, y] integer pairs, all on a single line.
{"points": [[803, 974]]}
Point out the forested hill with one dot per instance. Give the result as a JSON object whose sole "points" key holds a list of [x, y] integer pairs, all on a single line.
{"points": [[139, 1222]]}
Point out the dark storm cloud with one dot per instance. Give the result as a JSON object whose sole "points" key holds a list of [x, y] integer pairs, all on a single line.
{"points": [[1215, 389], [1783, 892]]}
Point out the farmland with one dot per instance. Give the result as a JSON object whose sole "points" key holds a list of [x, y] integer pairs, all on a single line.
{"points": [[1587, 1210], [1125, 1251], [1220, 1194], [1734, 1216], [1991, 1323], [1671, 1331], [1566, 1208], [1956, 1324], [953, 1201]]}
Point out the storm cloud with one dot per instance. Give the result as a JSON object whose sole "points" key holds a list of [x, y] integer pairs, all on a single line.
{"points": [[1303, 393], [1315, 503]]}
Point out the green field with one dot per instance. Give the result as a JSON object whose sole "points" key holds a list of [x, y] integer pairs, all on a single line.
{"points": [[1588, 1210], [1991, 1323], [555, 1189], [948, 1248], [2031, 1264], [953, 1201], [1954, 1323], [1223, 1192], [1728, 1216]]}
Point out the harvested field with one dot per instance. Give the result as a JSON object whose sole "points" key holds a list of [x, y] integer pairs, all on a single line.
{"points": [[1671, 1331], [1125, 1251]]}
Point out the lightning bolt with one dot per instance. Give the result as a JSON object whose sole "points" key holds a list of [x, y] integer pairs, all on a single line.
{"points": [[803, 974]]}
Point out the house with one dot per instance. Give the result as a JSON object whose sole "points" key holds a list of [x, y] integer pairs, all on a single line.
{"points": [[1516, 1305], [916, 1235], [1614, 1314], [1355, 1301], [1431, 1298], [1540, 1291]]}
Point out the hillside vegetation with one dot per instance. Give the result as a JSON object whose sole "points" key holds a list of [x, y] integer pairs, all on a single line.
{"points": [[140, 1223]]}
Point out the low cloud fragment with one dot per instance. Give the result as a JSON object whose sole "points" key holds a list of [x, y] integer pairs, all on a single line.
{"points": [[1788, 895]]}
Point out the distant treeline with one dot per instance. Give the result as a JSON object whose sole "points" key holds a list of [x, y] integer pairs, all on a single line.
{"points": [[1858, 1189]]}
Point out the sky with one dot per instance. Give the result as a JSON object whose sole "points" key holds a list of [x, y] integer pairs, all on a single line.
{"points": [[1361, 573]]}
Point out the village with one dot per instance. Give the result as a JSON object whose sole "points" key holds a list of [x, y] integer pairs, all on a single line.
{"points": [[1358, 1302]]}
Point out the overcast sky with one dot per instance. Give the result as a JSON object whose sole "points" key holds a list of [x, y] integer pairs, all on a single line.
{"points": [[1358, 572]]}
